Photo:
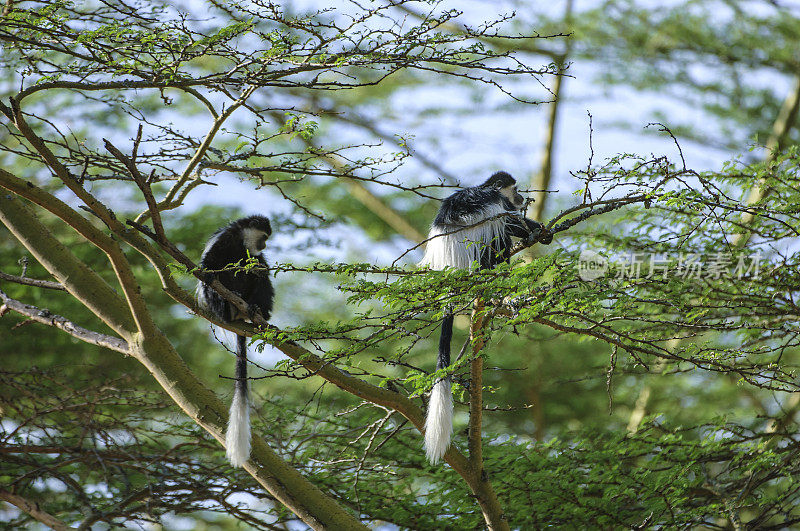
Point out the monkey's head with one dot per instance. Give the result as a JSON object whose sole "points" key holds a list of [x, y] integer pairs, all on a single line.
{"points": [[507, 186], [255, 231]]}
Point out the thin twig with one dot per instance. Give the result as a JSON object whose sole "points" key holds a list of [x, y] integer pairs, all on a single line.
{"points": [[140, 180], [47, 284]]}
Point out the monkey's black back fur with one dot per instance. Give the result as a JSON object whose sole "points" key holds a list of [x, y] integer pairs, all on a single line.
{"points": [[227, 247], [465, 203], [470, 202]]}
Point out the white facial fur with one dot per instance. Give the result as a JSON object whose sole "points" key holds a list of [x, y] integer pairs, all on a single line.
{"points": [[510, 192], [254, 240]]}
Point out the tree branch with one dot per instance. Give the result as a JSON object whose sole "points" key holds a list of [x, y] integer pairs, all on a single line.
{"points": [[79, 280], [122, 270], [139, 179], [375, 204], [784, 122], [33, 510], [541, 181], [25, 281], [476, 387], [178, 189], [62, 323]]}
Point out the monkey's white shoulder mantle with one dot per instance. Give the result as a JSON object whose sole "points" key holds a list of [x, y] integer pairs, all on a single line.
{"points": [[461, 245]]}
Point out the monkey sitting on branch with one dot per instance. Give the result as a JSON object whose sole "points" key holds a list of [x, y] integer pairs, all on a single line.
{"points": [[234, 245], [474, 226]]}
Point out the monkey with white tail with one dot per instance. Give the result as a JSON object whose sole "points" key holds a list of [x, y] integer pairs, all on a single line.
{"points": [[474, 227], [233, 245]]}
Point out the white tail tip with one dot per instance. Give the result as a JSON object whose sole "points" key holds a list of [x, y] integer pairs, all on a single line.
{"points": [[439, 421], [237, 437]]}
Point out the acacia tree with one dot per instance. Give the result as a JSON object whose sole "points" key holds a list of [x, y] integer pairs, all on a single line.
{"points": [[327, 469], [100, 53]]}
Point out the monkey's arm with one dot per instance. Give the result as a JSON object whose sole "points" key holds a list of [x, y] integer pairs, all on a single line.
{"points": [[261, 298], [529, 230]]}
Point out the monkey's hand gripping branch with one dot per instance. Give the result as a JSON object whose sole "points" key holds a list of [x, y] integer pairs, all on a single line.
{"points": [[539, 234]]}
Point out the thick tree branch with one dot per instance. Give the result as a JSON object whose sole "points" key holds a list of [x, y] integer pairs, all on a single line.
{"points": [[541, 181], [783, 125], [476, 386], [55, 206], [492, 510]]}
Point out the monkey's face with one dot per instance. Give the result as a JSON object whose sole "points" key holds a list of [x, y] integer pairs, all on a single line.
{"points": [[514, 197], [255, 240]]}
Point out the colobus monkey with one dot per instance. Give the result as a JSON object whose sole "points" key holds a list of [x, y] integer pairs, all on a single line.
{"points": [[234, 244], [473, 226]]}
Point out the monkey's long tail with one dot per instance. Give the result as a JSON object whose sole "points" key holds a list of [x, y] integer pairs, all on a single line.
{"points": [[237, 437], [439, 421]]}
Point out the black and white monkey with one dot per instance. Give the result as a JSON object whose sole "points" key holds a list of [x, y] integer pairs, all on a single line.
{"points": [[235, 244], [474, 226]]}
